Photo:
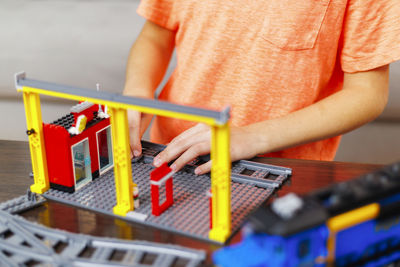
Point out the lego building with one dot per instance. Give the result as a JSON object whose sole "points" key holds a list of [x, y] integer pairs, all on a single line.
{"points": [[78, 147]]}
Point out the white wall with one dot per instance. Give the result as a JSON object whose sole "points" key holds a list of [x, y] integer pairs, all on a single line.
{"points": [[69, 42]]}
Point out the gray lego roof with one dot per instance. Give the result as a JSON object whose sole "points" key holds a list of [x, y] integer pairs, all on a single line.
{"points": [[220, 116]]}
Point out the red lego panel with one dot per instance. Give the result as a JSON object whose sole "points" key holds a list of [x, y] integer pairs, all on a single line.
{"points": [[155, 176], [58, 155]]}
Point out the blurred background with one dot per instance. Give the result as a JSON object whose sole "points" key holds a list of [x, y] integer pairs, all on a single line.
{"points": [[84, 42]]}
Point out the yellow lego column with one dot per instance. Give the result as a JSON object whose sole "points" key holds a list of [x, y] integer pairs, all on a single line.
{"points": [[122, 162], [220, 183], [36, 141]]}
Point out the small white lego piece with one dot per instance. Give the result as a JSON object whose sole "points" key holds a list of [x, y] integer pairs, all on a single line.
{"points": [[163, 180], [287, 205], [136, 203], [136, 216], [103, 115]]}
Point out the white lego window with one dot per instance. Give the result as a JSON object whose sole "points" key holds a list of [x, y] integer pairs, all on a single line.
{"points": [[81, 163], [104, 149]]}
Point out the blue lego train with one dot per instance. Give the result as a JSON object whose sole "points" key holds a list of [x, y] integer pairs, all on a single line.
{"points": [[354, 223]]}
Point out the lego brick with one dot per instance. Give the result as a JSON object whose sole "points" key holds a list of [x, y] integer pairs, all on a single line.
{"points": [[262, 175], [81, 107], [65, 121]]}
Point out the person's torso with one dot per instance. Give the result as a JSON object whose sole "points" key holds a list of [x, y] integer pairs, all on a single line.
{"points": [[263, 58]]}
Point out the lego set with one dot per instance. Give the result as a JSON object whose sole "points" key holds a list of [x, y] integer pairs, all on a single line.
{"points": [[252, 184], [354, 223], [96, 163], [96, 173], [117, 106], [348, 224]]}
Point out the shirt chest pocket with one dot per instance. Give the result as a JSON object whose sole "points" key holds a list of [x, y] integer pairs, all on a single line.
{"points": [[294, 24]]}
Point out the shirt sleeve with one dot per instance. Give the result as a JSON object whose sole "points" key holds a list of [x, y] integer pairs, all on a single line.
{"points": [[371, 34], [161, 12]]}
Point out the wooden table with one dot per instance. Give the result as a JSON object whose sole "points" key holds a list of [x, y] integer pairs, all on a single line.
{"points": [[15, 167]]}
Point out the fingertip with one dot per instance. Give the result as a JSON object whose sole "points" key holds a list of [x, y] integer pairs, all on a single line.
{"points": [[137, 148], [203, 169], [136, 153], [157, 161], [197, 171]]}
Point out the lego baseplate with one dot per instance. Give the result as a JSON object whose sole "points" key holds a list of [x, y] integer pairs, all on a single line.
{"points": [[252, 184], [23, 243]]}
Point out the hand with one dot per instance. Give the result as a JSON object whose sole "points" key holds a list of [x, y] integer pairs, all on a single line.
{"points": [[196, 141], [138, 123]]}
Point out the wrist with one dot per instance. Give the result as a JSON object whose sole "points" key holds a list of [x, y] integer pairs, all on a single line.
{"points": [[254, 139], [262, 137]]}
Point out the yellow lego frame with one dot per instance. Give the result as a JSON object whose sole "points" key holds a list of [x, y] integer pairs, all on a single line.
{"points": [[118, 106]]}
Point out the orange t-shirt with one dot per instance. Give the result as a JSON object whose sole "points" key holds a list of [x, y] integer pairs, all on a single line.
{"points": [[269, 58]]}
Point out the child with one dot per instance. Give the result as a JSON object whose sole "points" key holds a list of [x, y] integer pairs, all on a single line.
{"points": [[297, 74]]}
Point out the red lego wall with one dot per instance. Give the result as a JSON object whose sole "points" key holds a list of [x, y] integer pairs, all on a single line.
{"points": [[58, 154], [58, 143]]}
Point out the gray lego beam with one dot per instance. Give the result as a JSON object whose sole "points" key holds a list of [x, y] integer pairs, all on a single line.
{"points": [[253, 181], [219, 116], [29, 247], [278, 170]]}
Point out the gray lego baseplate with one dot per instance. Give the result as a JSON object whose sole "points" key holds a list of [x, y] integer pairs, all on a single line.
{"points": [[23, 243], [252, 184]]}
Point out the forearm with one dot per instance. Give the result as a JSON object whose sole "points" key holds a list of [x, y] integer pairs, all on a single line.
{"points": [[148, 60], [362, 99], [147, 63]]}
